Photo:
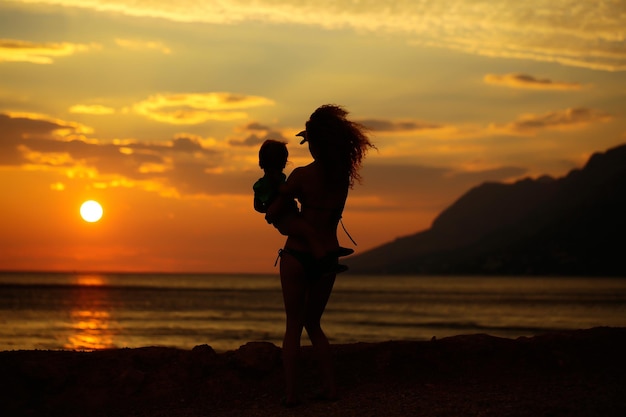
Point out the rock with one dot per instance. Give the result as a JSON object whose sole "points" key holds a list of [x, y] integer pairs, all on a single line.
{"points": [[256, 357]]}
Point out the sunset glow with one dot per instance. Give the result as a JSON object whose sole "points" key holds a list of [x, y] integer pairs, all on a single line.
{"points": [[157, 109]]}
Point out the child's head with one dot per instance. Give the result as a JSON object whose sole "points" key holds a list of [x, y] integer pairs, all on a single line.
{"points": [[273, 155]]}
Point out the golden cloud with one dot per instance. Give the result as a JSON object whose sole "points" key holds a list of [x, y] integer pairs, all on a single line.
{"points": [[573, 118], [196, 108], [47, 159], [12, 50], [528, 82], [185, 166], [94, 109], [139, 45], [57, 186], [586, 34]]}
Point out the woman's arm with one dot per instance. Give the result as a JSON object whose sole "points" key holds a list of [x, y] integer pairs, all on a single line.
{"points": [[287, 192], [291, 188]]}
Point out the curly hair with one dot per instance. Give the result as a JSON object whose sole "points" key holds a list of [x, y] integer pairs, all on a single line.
{"points": [[339, 144]]}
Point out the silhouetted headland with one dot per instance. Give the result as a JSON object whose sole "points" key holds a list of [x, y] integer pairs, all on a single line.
{"points": [[566, 226], [575, 373]]}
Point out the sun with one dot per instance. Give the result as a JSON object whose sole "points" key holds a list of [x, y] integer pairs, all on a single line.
{"points": [[91, 211]]}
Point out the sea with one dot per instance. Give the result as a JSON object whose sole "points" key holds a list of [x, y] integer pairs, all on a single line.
{"points": [[92, 311]]}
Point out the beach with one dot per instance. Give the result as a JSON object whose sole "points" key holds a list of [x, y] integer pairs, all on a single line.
{"points": [[570, 373]]}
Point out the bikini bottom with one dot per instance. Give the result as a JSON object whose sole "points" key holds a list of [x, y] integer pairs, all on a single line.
{"points": [[313, 267]]}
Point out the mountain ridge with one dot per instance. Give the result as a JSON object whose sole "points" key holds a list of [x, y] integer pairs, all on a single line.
{"points": [[573, 225]]}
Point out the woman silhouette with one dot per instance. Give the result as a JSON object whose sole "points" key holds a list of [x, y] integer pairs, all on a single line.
{"points": [[338, 147]]}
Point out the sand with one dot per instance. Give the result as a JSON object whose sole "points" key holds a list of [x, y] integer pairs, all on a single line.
{"points": [[575, 373]]}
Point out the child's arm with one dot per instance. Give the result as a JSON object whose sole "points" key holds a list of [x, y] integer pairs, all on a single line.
{"points": [[258, 205], [287, 192], [273, 211], [260, 195]]}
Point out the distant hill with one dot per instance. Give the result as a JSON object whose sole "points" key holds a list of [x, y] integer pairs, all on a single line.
{"points": [[573, 225]]}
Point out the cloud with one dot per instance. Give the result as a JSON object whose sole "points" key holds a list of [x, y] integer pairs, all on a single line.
{"points": [[255, 134], [585, 34], [525, 124], [191, 165], [35, 124], [528, 82], [57, 186], [140, 45], [187, 164], [93, 109], [12, 50], [567, 119], [14, 129], [249, 141], [196, 108], [187, 144], [257, 126], [390, 126]]}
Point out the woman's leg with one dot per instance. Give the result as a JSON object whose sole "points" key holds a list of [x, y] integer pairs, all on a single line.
{"points": [[319, 294], [293, 284]]}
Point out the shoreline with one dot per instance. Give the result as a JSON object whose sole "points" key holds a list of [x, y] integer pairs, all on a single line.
{"points": [[572, 373]]}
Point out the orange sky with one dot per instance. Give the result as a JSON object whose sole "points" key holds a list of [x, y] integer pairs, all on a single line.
{"points": [[157, 109]]}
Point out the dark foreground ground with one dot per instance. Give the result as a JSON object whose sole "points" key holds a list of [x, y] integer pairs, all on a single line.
{"points": [[578, 373]]}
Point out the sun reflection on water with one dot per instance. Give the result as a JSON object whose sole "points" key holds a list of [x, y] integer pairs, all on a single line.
{"points": [[90, 280], [91, 319], [91, 331]]}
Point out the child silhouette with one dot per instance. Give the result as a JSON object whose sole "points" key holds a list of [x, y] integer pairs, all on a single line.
{"points": [[273, 156]]}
